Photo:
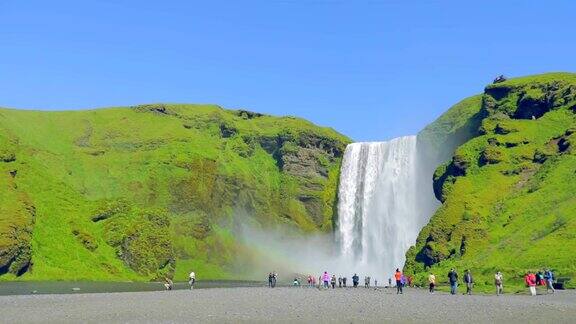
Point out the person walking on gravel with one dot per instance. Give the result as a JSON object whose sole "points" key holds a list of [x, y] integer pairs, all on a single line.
{"points": [[431, 282], [549, 277], [333, 281], [499, 282], [398, 277], [453, 279], [192, 279], [530, 280], [469, 282]]}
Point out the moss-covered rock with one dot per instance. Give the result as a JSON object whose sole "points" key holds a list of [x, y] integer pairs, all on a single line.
{"points": [[95, 177], [17, 215], [513, 209]]}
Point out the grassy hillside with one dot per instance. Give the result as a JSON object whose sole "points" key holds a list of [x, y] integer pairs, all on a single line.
{"points": [[509, 192], [136, 193]]}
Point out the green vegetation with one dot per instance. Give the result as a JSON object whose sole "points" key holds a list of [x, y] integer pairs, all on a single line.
{"points": [[149, 191], [508, 193], [453, 128], [144, 192]]}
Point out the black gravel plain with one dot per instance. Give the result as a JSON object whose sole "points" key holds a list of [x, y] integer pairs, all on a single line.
{"points": [[287, 304]]}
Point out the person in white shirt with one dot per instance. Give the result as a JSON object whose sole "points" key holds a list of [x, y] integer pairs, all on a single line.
{"points": [[498, 281], [192, 279]]}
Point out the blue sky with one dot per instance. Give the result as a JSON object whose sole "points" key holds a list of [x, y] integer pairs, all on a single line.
{"points": [[373, 70]]}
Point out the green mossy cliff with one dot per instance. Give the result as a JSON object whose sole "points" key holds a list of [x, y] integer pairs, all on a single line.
{"points": [[509, 190], [137, 193]]}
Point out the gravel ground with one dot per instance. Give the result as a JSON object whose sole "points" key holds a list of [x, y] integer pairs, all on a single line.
{"points": [[235, 305]]}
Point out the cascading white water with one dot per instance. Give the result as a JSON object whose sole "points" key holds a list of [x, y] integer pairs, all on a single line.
{"points": [[385, 198]]}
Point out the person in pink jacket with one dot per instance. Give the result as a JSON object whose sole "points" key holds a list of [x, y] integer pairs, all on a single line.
{"points": [[326, 279]]}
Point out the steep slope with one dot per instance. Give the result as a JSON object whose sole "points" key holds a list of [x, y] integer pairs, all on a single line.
{"points": [[509, 193], [141, 192]]}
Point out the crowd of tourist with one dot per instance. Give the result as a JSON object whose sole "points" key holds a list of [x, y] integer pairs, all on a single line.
{"points": [[326, 281], [532, 279]]}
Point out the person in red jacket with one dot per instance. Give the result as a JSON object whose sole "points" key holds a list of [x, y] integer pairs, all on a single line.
{"points": [[530, 280], [398, 277]]}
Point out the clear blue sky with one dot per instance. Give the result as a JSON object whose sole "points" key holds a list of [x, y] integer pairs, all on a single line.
{"points": [[371, 69]]}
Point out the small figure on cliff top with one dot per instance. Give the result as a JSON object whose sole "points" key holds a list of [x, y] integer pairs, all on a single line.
{"points": [[500, 78]]}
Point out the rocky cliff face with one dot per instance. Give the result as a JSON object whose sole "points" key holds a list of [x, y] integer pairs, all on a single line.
{"points": [[154, 190], [508, 192]]}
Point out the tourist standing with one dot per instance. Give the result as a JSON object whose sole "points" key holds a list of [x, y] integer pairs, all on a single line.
{"points": [[540, 278], [549, 277], [344, 281], [499, 282], [469, 282], [270, 279], [326, 279], [340, 282], [274, 279], [431, 282], [398, 277], [530, 280], [355, 280], [333, 281], [453, 279], [192, 279]]}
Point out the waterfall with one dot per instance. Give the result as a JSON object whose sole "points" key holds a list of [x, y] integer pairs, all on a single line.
{"points": [[385, 198]]}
